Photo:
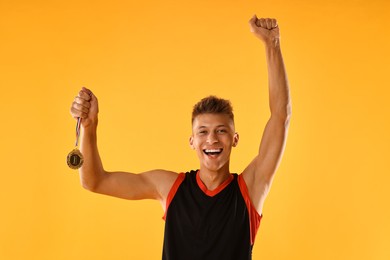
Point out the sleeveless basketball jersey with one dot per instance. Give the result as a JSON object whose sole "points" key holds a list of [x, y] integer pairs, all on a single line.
{"points": [[209, 225]]}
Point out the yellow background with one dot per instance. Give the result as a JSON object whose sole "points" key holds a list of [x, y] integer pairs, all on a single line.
{"points": [[148, 62]]}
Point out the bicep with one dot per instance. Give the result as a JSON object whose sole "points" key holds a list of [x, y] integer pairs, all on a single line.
{"points": [[153, 184], [271, 148]]}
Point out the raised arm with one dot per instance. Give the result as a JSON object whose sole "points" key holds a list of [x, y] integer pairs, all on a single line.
{"points": [[260, 172], [153, 184]]}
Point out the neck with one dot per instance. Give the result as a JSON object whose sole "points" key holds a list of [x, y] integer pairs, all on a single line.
{"points": [[213, 178]]}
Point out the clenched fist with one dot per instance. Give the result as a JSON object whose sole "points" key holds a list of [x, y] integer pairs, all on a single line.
{"points": [[85, 106], [266, 29]]}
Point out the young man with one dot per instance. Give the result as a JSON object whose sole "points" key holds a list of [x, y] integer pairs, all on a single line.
{"points": [[209, 213]]}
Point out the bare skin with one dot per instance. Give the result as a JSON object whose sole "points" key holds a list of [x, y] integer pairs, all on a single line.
{"points": [[210, 131], [260, 172], [213, 131]]}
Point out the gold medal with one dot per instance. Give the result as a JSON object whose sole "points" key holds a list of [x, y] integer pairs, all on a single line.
{"points": [[75, 158]]}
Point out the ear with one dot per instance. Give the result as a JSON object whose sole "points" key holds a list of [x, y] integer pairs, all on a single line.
{"points": [[191, 141], [236, 137]]}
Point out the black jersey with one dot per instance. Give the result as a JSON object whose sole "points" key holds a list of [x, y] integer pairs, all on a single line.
{"points": [[209, 225]]}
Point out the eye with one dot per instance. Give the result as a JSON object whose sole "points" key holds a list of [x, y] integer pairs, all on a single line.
{"points": [[221, 131], [202, 132]]}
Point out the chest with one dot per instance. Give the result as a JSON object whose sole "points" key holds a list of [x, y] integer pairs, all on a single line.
{"points": [[201, 215]]}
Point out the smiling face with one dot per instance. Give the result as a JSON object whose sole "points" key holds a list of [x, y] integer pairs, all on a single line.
{"points": [[213, 137]]}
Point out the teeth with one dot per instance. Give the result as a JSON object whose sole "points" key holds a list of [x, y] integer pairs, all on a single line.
{"points": [[213, 151]]}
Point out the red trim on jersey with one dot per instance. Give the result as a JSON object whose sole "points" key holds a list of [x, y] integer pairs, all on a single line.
{"points": [[254, 216], [212, 193], [172, 192]]}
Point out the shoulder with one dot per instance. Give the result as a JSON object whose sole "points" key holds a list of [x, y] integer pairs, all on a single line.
{"points": [[171, 183], [165, 179]]}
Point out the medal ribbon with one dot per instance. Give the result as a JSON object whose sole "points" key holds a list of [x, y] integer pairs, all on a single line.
{"points": [[78, 130]]}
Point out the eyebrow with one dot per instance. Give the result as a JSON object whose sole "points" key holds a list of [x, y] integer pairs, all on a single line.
{"points": [[206, 126]]}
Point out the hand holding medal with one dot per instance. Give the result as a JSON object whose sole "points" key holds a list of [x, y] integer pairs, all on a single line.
{"points": [[84, 109]]}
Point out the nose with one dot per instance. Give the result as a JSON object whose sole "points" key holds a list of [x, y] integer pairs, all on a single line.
{"points": [[212, 138]]}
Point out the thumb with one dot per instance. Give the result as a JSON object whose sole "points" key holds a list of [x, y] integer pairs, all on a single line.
{"points": [[94, 102], [88, 91], [253, 20]]}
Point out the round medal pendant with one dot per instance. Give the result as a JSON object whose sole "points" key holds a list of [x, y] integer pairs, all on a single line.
{"points": [[75, 159]]}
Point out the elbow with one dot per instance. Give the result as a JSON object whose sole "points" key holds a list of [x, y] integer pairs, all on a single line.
{"points": [[89, 186], [283, 114], [288, 115], [287, 110]]}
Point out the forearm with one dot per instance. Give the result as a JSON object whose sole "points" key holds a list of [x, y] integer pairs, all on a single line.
{"points": [[279, 93], [92, 170]]}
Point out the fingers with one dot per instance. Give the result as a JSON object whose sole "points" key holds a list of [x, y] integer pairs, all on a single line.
{"points": [[81, 104], [85, 94], [266, 23], [76, 113], [274, 23], [260, 23]]}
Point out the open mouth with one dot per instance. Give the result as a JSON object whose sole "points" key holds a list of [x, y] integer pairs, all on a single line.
{"points": [[212, 151]]}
